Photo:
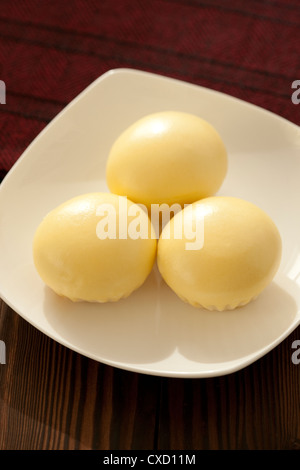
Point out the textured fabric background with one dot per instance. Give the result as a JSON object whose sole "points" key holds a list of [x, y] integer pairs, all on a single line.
{"points": [[51, 50]]}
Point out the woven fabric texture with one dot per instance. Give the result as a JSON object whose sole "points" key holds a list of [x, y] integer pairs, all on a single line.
{"points": [[51, 51]]}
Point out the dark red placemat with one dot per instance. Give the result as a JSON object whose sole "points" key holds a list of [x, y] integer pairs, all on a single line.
{"points": [[50, 51]]}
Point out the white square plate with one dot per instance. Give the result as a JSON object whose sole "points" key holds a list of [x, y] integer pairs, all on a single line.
{"points": [[153, 331]]}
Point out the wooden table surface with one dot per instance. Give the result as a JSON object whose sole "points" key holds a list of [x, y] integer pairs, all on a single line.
{"points": [[53, 398]]}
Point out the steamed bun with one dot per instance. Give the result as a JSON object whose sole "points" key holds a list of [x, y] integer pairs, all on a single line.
{"points": [[167, 157], [83, 249], [219, 253]]}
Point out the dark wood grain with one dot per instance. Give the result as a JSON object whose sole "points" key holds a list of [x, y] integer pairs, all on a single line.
{"points": [[53, 398], [255, 408]]}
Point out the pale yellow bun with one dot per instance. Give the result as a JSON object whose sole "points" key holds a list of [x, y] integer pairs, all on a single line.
{"points": [[167, 157], [76, 256], [240, 255]]}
